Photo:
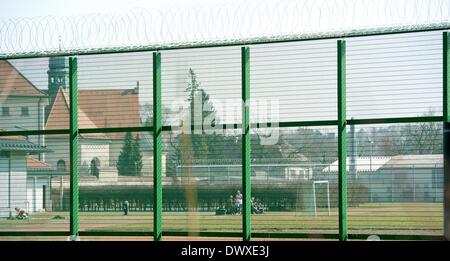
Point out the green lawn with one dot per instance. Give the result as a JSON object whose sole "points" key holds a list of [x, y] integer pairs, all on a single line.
{"points": [[401, 218]]}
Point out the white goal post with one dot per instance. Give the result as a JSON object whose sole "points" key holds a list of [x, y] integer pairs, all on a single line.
{"points": [[314, 195]]}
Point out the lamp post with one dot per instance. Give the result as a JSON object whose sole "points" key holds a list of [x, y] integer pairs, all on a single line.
{"points": [[9, 184], [371, 173], [371, 153]]}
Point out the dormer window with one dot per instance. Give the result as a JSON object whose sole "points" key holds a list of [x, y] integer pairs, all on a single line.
{"points": [[5, 111], [25, 111]]}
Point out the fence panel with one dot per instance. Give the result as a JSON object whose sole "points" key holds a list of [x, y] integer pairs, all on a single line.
{"points": [[201, 91], [393, 129], [115, 163]]}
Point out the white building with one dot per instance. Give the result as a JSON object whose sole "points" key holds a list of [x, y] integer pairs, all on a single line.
{"points": [[400, 178], [17, 189], [22, 104]]}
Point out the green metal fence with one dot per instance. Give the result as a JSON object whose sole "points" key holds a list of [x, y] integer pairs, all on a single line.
{"points": [[157, 128]]}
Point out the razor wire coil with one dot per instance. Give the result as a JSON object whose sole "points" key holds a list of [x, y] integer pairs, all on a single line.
{"points": [[195, 25]]}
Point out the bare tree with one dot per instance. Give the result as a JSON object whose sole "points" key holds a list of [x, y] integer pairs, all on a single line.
{"points": [[423, 137]]}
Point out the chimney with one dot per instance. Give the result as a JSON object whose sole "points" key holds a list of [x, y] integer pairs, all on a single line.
{"points": [[136, 89]]}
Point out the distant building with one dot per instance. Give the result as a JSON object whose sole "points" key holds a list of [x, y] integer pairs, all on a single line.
{"points": [[24, 107], [401, 178], [22, 104], [407, 178], [18, 189], [228, 171], [97, 108], [362, 165]]}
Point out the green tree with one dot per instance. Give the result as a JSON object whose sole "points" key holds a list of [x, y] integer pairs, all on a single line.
{"points": [[147, 114], [401, 139], [137, 157], [200, 146], [130, 157], [196, 94], [203, 145]]}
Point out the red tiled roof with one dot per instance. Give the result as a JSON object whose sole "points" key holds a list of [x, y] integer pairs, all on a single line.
{"points": [[59, 115], [13, 83], [36, 164], [97, 109], [111, 108]]}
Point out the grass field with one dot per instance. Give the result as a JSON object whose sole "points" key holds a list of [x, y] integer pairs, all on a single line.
{"points": [[385, 218]]}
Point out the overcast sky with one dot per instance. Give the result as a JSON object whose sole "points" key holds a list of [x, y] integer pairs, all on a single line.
{"points": [[36, 8]]}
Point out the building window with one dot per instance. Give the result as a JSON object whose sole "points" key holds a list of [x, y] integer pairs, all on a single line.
{"points": [[25, 111], [5, 111], [61, 165]]}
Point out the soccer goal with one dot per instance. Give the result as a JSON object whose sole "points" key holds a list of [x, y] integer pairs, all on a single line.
{"points": [[316, 183], [307, 196]]}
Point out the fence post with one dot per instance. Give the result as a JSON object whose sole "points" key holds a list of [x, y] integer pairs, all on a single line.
{"points": [[73, 147], [314, 199], [157, 148], [328, 199], [446, 114], [246, 187], [392, 185], [342, 152], [414, 182]]}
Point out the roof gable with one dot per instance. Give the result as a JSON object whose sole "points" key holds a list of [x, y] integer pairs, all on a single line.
{"points": [[13, 83], [363, 164], [33, 163], [416, 161], [97, 109], [58, 117], [394, 162]]}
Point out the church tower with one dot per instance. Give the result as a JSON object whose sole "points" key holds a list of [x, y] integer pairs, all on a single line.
{"points": [[58, 76]]}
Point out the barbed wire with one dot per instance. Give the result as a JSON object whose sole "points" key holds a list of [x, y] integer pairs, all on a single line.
{"points": [[230, 22]]}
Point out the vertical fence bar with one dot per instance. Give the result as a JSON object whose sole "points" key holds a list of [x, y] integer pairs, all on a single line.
{"points": [[342, 152], [246, 186], [73, 147], [446, 81], [157, 148], [446, 114]]}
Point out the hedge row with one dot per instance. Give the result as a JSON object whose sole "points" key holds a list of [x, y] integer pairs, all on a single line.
{"points": [[281, 197]]}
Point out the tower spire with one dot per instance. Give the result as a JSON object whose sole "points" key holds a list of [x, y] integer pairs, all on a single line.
{"points": [[58, 77]]}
